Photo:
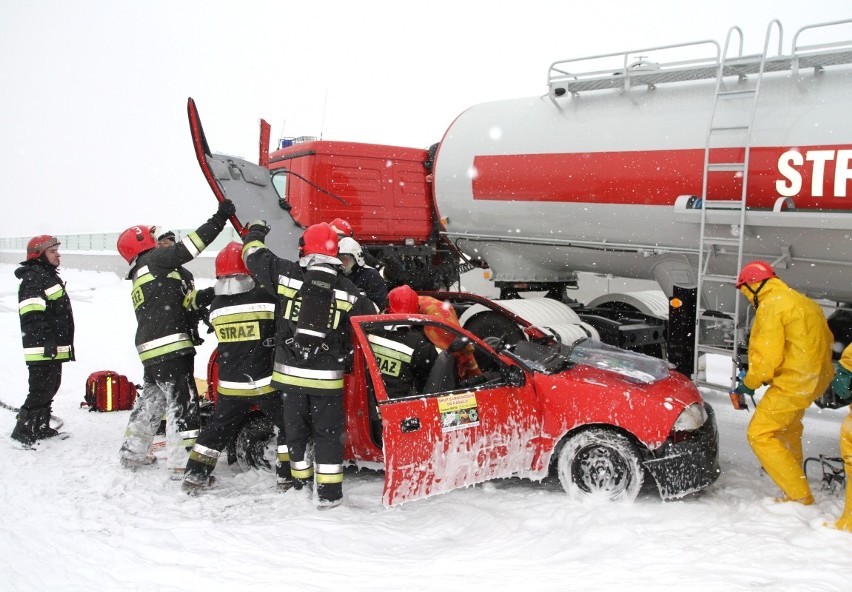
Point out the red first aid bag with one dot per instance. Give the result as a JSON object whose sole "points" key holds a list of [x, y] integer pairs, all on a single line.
{"points": [[109, 391]]}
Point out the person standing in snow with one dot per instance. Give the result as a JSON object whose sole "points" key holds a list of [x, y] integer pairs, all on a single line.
{"points": [[161, 299], [362, 275], [312, 349], [47, 332], [790, 350], [840, 384], [243, 317]]}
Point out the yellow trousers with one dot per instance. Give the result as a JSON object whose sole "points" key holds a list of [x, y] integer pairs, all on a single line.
{"points": [[775, 435], [845, 522]]}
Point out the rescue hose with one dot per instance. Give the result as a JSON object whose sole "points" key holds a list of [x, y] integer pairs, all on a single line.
{"points": [[58, 421]]}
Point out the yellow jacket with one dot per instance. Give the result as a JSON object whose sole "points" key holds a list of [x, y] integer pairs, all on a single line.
{"points": [[790, 343], [846, 358]]}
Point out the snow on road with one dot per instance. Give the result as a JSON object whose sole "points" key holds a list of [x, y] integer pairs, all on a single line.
{"points": [[75, 520]]}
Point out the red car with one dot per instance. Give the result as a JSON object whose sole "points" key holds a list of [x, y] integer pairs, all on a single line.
{"points": [[601, 418]]}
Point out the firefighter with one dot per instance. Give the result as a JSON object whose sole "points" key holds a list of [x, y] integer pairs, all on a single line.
{"points": [[312, 349], [47, 332], [194, 314], [243, 317], [164, 341], [790, 350], [362, 275], [343, 229], [840, 384], [403, 299], [403, 353]]}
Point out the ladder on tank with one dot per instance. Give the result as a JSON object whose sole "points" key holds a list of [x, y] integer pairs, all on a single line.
{"points": [[711, 244]]}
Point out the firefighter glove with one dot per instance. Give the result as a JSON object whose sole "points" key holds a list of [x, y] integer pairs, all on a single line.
{"points": [[50, 349], [257, 231], [841, 383], [742, 389], [225, 210]]}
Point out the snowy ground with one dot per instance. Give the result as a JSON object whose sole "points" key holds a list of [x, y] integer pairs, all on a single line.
{"points": [[75, 520]]}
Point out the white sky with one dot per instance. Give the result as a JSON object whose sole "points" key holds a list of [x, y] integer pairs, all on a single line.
{"points": [[93, 117]]}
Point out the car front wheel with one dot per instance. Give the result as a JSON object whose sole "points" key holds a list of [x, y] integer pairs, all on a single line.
{"points": [[600, 463]]}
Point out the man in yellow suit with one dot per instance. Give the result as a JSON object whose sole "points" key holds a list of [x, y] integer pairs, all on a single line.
{"points": [[790, 350], [841, 387]]}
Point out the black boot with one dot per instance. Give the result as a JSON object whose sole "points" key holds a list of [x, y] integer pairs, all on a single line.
{"points": [[25, 428], [42, 429]]}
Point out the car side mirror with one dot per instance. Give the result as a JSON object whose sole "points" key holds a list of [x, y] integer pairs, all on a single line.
{"points": [[514, 376]]}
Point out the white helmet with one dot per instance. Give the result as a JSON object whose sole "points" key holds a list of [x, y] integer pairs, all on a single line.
{"points": [[349, 246]]}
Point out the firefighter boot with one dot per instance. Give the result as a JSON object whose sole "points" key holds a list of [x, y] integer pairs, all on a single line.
{"points": [[24, 432], [284, 480], [196, 477], [42, 429]]}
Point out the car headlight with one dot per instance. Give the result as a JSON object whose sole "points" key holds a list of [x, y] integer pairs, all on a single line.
{"points": [[691, 418]]}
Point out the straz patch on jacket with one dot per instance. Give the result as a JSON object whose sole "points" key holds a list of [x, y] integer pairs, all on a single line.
{"points": [[390, 355], [458, 411], [246, 331]]}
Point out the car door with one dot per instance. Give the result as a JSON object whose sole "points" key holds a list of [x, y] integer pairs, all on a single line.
{"points": [[251, 189], [437, 442]]}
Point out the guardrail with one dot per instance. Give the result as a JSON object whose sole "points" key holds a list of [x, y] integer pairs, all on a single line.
{"points": [[97, 251]]}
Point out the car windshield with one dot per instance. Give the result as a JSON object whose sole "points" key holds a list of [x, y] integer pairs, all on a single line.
{"points": [[553, 358]]}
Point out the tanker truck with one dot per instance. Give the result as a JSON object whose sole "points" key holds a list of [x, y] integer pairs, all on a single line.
{"points": [[675, 163]]}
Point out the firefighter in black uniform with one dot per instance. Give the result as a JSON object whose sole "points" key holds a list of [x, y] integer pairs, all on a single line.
{"points": [[312, 349], [351, 255], [47, 331], [404, 356], [243, 318], [164, 340]]}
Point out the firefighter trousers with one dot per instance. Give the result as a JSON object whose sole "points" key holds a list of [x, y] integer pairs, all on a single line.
{"points": [[44, 384], [775, 435], [228, 417], [318, 418], [169, 390]]}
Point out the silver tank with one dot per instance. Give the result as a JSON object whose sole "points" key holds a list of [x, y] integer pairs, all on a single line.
{"points": [[596, 174]]}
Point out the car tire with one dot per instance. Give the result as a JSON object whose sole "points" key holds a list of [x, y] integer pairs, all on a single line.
{"points": [[600, 463], [253, 447]]}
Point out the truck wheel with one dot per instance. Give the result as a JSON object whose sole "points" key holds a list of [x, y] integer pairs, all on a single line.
{"points": [[600, 463], [254, 445]]}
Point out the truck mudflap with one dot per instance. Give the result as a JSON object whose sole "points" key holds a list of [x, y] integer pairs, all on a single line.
{"points": [[681, 468]]}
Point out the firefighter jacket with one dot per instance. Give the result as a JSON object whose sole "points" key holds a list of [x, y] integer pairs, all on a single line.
{"points": [[466, 366], [790, 343], [322, 372], [244, 323], [47, 321], [404, 357], [372, 283], [164, 298]]}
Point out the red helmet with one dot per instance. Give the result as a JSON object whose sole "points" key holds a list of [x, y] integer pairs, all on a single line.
{"points": [[39, 244], [755, 272], [229, 261], [342, 228], [319, 239], [135, 240], [403, 300]]}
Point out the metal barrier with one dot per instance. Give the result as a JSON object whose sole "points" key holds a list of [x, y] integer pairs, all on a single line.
{"points": [[97, 251]]}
